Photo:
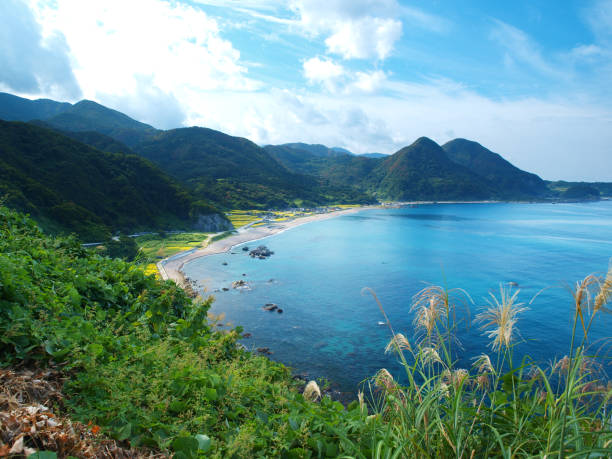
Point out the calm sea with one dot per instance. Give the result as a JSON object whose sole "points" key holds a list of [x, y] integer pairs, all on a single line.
{"points": [[329, 329]]}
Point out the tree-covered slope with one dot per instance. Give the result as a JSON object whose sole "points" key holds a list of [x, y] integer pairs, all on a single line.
{"points": [[317, 149], [510, 182], [422, 171], [13, 108], [345, 170], [235, 172], [87, 115], [70, 186]]}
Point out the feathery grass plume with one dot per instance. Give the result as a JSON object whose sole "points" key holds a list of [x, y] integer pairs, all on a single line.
{"points": [[384, 380], [483, 364], [361, 401], [483, 381], [397, 344], [605, 292], [501, 316], [312, 391], [430, 355], [444, 390], [429, 305], [455, 377], [582, 298]]}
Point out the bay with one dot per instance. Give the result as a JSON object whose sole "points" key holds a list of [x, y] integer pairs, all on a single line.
{"points": [[330, 329]]}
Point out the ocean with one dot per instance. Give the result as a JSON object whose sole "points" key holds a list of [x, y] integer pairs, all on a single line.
{"points": [[330, 329]]}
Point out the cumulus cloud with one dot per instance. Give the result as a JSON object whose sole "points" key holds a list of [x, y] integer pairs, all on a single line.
{"points": [[358, 29], [337, 79], [365, 38], [323, 71], [30, 63], [144, 48]]}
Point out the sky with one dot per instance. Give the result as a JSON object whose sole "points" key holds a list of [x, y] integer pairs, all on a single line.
{"points": [[529, 79]]}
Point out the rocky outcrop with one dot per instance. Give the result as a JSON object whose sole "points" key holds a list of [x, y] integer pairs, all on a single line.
{"points": [[270, 307], [261, 252], [212, 223], [240, 284]]}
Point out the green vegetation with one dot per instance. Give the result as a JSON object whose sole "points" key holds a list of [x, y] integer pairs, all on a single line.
{"points": [[561, 187], [154, 247], [146, 366], [234, 173], [422, 171], [237, 174], [508, 181], [71, 187]]}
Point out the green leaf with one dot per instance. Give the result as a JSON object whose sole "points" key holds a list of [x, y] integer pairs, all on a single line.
{"points": [[204, 442], [211, 394], [44, 455], [186, 445]]}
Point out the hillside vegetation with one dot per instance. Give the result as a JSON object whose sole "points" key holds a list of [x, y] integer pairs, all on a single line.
{"points": [[72, 187], [142, 364]]}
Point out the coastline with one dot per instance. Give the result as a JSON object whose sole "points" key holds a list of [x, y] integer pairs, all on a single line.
{"points": [[172, 267]]}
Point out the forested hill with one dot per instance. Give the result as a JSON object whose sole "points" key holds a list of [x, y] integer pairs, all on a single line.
{"points": [[422, 171], [69, 186], [511, 181], [235, 172]]}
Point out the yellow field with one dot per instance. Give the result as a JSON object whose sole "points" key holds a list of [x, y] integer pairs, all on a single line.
{"points": [[243, 217]]}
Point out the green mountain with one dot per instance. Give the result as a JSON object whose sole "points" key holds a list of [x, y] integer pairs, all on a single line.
{"points": [[374, 155], [91, 116], [69, 186], [235, 172], [510, 182], [13, 108], [422, 171], [560, 187], [317, 149], [345, 170]]}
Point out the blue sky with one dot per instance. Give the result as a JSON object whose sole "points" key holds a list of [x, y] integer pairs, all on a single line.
{"points": [[530, 80]]}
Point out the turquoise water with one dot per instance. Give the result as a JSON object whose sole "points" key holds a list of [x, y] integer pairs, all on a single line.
{"points": [[329, 329]]}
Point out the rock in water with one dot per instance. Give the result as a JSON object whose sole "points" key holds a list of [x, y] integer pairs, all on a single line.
{"points": [[270, 307], [261, 252], [240, 284]]}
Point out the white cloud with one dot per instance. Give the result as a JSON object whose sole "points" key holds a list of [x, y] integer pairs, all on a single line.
{"points": [[599, 16], [31, 63], [323, 71], [338, 80], [359, 29], [520, 48], [118, 46], [364, 38]]}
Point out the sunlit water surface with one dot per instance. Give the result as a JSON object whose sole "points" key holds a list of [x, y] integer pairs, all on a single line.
{"points": [[329, 329]]}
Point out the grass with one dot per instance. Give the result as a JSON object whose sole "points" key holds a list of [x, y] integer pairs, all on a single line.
{"points": [[154, 247], [140, 361], [499, 407]]}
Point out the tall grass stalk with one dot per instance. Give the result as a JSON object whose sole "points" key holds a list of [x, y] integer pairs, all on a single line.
{"points": [[499, 407]]}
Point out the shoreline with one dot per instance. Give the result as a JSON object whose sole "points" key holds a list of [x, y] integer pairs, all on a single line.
{"points": [[172, 267]]}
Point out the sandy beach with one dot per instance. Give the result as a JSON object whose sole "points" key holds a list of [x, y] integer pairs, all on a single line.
{"points": [[172, 267]]}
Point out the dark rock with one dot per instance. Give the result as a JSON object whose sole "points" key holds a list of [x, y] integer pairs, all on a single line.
{"points": [[279, 310], [225, 289], [264, 350], [261, 252], [246, 335], [240, 284], [224, 263], [245, 249], [243, 274]]}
